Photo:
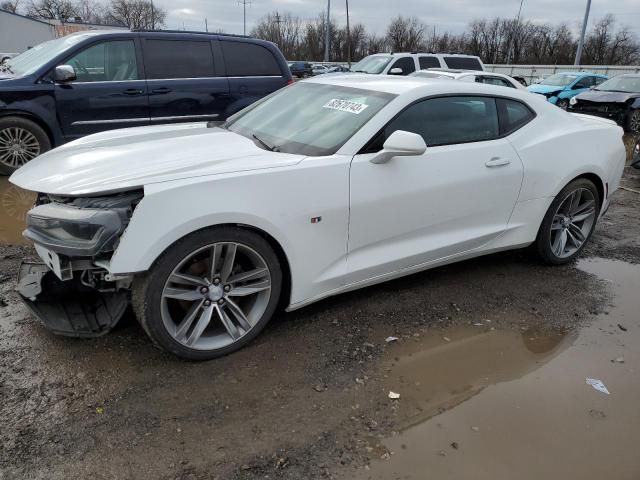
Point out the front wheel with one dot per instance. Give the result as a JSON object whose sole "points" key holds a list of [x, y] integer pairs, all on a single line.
{"points": [[210, 293], [569, 222], [563, 103], [21, 141], [633, 121]]}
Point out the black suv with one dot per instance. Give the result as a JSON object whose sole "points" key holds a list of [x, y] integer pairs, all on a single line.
{"points": [[88, 82], [301, 69]]}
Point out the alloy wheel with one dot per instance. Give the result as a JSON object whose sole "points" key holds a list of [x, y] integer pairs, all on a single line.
{"points": [[572, 222], [634, 121], [563, 104], [215, 296], [17, 147]]}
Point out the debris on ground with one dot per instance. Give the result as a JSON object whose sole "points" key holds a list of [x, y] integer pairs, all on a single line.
{"points": [[618, 360], [391, 339], [475, 429], [598, 385], [446, 339], [455, 445], [320, 388], [598, 414], [622, 327], [394, 396]]}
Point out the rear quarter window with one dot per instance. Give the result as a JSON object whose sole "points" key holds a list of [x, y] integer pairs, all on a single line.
{"points": [[513, 115], [463, 63], [428, 62], [249, 60]]}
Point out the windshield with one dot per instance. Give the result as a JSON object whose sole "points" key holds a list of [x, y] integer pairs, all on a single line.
{"points": [[372, 64], [28, 62], [621, 84], [307, 118], [559, 80]]}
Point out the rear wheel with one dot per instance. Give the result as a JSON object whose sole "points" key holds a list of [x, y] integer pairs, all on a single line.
{"points": [[569, 222], [210, 294], [633, 121], [21, 141]]}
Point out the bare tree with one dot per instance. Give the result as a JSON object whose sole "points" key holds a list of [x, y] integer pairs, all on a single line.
{"points": [[10, 5], [137, 14], [405, 34], [52, 9]]}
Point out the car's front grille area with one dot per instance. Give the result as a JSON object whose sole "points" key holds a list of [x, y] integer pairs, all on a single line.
{"points": [[598, 107]]}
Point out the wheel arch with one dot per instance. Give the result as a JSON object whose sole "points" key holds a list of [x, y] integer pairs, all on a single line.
{"points": [[35, 119], [597, 181]]}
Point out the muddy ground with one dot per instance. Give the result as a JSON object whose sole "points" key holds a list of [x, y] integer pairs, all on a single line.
{"points": [[490, 364]]}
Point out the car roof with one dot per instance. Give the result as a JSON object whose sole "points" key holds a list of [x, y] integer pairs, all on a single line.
{"points": [[401, 85]]}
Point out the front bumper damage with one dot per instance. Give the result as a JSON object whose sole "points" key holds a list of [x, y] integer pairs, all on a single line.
{"points": [[69, 308], [71, 291]]}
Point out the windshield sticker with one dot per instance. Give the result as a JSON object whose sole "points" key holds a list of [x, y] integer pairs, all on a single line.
{"points": [[345, 106]]}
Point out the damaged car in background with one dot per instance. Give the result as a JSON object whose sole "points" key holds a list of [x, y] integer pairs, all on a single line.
{"points": [[326, 186]]}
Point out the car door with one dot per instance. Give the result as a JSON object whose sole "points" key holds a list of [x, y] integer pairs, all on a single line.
{"points": [[185, 81], [109, 90], [456, 197], [252, 70]]}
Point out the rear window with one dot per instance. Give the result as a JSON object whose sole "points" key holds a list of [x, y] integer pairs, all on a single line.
{"points": [[248, 60], [178, 59], [428, 62], [463, 63]]}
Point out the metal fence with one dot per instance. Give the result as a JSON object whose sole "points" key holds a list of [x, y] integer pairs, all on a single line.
{"points": [[536, 72]]}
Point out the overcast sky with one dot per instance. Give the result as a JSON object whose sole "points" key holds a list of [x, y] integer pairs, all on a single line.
{"points": [[446, 15]]}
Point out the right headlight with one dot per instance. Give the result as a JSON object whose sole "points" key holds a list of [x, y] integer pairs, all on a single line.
{"points": [[573, 100]]}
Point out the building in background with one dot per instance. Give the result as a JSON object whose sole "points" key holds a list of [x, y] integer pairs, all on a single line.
{"points": [[18, 33]]}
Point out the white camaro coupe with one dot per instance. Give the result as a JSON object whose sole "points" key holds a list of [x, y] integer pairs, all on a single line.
{"points": [[325, 186]]}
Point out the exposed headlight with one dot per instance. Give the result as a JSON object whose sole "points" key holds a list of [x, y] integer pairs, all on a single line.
{"points": [[573, 101], [80, 227]]}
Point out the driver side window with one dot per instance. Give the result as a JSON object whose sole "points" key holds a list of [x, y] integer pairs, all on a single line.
{"points": [[106, 62], [406, 64]]}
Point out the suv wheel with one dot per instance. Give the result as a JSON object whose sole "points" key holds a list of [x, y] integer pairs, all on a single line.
{"points": [[633, 122], [21, 141], [210, 293]]}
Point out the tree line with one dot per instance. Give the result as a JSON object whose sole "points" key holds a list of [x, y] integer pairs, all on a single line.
{"points": [[497, 40], [135, 14]]}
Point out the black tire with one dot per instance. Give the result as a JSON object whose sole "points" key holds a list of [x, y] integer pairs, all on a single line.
{"points": [[633, 121], [562, 103], [542, 245], [147, 290], [44, 143]]}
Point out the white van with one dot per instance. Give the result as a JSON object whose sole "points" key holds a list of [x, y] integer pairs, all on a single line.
{"points": [[407, 63]]}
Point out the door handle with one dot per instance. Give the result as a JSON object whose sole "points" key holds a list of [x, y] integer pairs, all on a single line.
{"points": [[132, 91], [497, 162], [161, 90]]}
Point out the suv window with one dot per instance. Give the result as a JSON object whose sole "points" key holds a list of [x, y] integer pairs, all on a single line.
{"points": [[513, 115], [406, 64], [106, 62], [248, 59], [178, 59], [463, 63], [500, 82], [445, 121], [598, 80], [428, 62]]}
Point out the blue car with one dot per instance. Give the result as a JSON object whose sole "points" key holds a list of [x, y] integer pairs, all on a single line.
{"points": [[89, 82], [561, 87]]}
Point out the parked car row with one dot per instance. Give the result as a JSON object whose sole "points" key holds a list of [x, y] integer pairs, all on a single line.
{"points": [[89, 82]]}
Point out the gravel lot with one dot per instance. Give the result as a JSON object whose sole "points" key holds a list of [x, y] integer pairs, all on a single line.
{"points": [[309, 398]]}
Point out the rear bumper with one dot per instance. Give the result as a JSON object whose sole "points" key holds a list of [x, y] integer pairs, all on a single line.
{"points": [[69, 308]]}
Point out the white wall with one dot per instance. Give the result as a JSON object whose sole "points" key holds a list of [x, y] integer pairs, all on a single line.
{"points": [[17, 33]]}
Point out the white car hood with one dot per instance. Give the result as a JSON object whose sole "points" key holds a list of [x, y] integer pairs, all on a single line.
{"points": [[118, 160]]}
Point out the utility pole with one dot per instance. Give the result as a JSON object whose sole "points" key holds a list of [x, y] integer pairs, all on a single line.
{"points": [[582, 33], [206, 25], [153, 16], [278, 22], [348, 37], [517, 27], [327, 33], [244, 4]]}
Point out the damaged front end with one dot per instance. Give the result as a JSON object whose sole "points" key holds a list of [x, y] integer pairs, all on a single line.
{"points": [[72, 292]]}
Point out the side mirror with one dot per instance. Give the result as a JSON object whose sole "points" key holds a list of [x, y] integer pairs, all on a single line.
{"points": [[396, 71], [65, 73], [400, 144]]}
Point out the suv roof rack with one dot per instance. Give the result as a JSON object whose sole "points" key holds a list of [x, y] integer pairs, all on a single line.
{"points": [[145, 30]]}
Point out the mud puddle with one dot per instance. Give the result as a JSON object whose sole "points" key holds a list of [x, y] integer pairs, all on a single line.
{"points": [[14, 204], [502, 404]]}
